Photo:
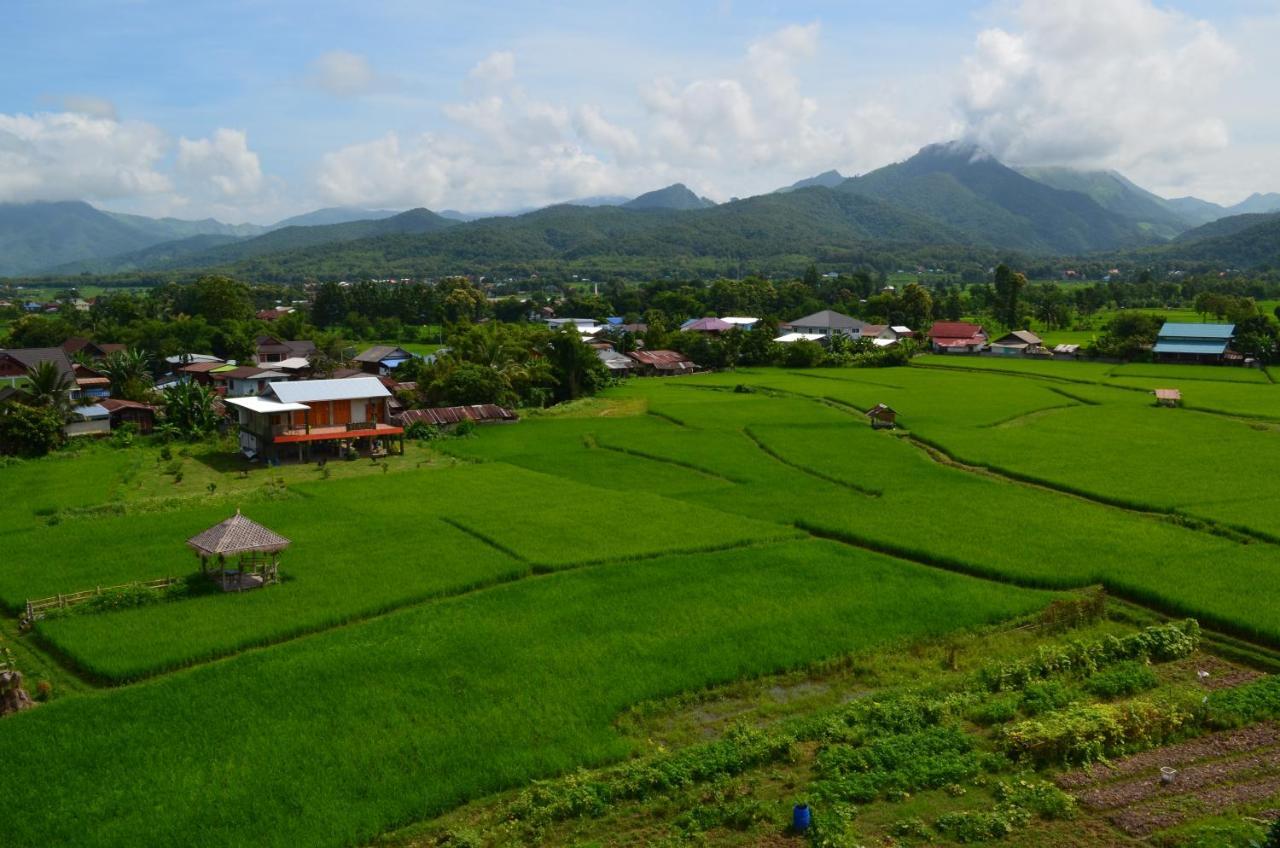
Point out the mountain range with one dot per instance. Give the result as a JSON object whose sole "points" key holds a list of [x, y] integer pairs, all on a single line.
{"points": [[952, 197]]}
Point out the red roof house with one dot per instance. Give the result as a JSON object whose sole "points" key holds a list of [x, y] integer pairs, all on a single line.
{"points": [[957, 337]]}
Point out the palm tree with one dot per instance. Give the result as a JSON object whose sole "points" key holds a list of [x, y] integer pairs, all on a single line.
{"points": [[129, 373], [48, 386]]}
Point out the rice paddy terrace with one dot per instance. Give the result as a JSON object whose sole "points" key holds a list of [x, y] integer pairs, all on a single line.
{"points": [[681, 607]]}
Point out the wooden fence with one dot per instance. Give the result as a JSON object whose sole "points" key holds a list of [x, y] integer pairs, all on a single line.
{"points": [[37, 607]]}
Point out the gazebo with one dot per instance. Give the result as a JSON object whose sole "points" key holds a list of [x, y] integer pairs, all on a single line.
{"points": [[253, 549]]}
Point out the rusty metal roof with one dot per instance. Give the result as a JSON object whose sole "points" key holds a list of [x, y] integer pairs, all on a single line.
{"points": [[445, 415], [662, 359], [237, 535]]}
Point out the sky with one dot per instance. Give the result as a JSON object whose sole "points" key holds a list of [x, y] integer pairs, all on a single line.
{"points": [[251, 110]]}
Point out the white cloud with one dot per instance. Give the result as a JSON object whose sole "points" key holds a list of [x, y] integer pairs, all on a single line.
{"points": [[222, 165], [495, 69], [73, 156], [1097, 83], [343, 74], [90, 106], [748, 129]]}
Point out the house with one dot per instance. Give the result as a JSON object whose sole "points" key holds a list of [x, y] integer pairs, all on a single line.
{"points": [[957, 337], [274, 312], [788, 338], [883, 417], [90, 383], [1016, 343], [742, 322], [828, 323], [706, 325], [1204, 343], [1168, 397], [307, 413], [15, 363], [246, 380], [382, 359], [662, 363], [270, 349], [450, 416], [297, 367], [141, 415], [1069, 351], [204, 372], [619, 364], [92, 350], [89, 420]]}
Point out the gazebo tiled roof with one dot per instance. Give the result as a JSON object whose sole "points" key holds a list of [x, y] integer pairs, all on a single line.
{"points": [[237, 535]]}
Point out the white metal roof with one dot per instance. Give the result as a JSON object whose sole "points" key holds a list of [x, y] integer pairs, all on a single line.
{"points": [[739, 319], [265, 405], [796, 337], [189, 358], [292, 363], [350, 388], [265, 375]]}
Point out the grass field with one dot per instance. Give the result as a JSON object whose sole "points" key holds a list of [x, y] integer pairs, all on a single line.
{"points": [[482, 611]]}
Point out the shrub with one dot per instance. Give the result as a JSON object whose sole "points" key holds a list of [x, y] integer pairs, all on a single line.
{"points": [[1045, 697], [911, 827], [1088, 732], [996, 711], [975, 826], [1126, 678], [44, 690], [1039, 797]]}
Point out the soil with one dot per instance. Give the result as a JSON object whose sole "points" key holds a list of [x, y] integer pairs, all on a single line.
{"points": [[1148, 818], [1198, 776], [1222, 674], [1215, 745]]}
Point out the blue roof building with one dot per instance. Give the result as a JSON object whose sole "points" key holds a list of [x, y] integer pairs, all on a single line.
{"points": [[1193, 342]]}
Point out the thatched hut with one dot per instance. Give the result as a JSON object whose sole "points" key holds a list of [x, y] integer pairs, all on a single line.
{"points": [[239, 553]]}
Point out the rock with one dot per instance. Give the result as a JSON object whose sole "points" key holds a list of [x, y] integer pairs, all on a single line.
{"points": [[13, 698]]}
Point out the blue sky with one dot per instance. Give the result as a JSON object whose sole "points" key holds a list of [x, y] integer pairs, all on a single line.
{"points": [[254, 110]]}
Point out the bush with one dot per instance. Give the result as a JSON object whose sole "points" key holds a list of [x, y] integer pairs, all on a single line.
{"points": [[1126, 678], [44, 690], [1045, 697], [914, 827], [29, 430], [803, 354], [1039, 797], [996, 711], [977, 826], [1085, 733]]}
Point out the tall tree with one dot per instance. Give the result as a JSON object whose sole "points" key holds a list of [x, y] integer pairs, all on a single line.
{"points": [[47, 387], [1009, 285]]}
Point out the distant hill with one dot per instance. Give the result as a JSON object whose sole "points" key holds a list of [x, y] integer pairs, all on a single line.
{"points": [[412, 222], [827, 179], [40, 235], [772, 231], [1113, 192], [600, 200], [331, 215], [1258, 244], [966, 188], [1256, 204], [677, 196], [1228, 226], [1196, 211]]}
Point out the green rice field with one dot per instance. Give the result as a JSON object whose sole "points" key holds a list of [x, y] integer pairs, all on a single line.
{"points": [[482, 612]]}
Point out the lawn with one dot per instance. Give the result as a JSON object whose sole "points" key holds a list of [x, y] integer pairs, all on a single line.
{"points": [[332, 739]]}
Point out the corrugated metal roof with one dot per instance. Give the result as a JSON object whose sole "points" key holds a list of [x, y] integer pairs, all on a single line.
{"points": [[1168, 394], [1191, 346], [92, 410], [445, 415], [1178, 330], [666, 359], [954, 330], [829, 319], [266, 405], [351, 388]]}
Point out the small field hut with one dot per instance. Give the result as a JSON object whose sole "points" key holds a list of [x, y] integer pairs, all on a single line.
{"points": [[883, 417], [1168, 397], [239, 553]]}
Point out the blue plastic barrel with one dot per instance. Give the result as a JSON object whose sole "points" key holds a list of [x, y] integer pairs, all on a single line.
{"points": [[801, 818]]}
